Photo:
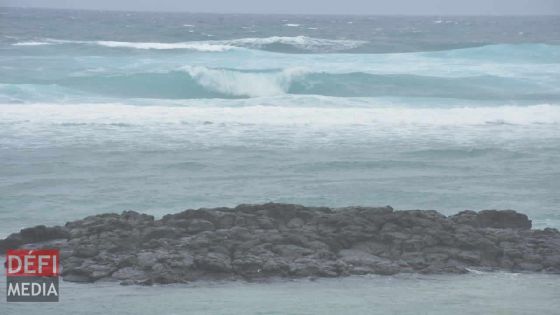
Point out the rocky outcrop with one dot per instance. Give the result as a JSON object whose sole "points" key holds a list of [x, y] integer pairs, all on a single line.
{"points": [[283, 240]]}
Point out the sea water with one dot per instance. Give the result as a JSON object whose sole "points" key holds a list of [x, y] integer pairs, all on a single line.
{"points": [[153, 112], [475, 294]]}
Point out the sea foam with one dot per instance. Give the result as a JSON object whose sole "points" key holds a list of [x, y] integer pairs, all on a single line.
{"points": [[114, 113]]}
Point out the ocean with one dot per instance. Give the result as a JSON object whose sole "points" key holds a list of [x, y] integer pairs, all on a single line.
{"points": [[106, 111]]}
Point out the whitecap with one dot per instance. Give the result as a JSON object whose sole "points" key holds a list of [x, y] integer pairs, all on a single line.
{"points": [[31, 43], [300, 42], [197, 46]]}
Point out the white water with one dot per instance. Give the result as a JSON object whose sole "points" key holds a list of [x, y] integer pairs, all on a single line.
{"points": [[386, 117], [301, 42]]}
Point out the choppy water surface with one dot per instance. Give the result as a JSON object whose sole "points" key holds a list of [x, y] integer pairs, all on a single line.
{"points": [[109, 111]]}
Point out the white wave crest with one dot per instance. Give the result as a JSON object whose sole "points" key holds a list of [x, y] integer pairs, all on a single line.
{"points": [[239, 83], [299, 42], [31, 43], [197, 46]]}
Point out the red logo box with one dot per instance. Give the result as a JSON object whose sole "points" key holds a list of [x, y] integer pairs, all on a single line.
{"points": [[33, 263]]}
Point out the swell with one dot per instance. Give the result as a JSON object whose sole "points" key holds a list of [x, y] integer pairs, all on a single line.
{"points": [[202, 82], [510, 73], [535, 52]]}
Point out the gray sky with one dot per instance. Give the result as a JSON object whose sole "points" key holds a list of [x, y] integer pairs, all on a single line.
{"points": [[420, 7]]}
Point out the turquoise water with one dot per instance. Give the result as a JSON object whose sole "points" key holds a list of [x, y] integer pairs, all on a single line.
{"points": [[110, 111]]}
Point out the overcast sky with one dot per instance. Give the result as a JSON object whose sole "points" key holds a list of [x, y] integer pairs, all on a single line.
{"points": [[420, 7]]}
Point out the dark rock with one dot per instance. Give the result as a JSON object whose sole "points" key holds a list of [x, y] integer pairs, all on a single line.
{"points": [[214, 262], [85, 251], [77, 277], [159, 232], [500, 219], [281, 240], [198, 225], [35, 234], [503, 219]]}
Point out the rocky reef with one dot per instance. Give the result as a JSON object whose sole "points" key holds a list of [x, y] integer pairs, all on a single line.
{"points": [[272, 240]]}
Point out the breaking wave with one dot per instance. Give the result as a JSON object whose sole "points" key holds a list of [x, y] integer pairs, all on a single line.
{"points": [[204, 82], [242, 83]]}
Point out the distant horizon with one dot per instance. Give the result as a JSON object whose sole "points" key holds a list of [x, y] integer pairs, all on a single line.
{"points": [[174, 11]]}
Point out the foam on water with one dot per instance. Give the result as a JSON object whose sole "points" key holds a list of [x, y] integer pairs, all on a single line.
{"points": [[270, 115]]}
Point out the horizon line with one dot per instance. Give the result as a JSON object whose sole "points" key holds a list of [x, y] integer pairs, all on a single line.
{"points": [[294, 14]]}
